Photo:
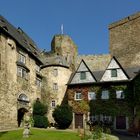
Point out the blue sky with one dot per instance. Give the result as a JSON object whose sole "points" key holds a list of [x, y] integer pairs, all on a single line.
{"points": [[85, 21]]}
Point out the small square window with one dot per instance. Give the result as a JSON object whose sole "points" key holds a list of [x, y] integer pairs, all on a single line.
{"points": [[91, 96], [55, 72], [114, 73], [55, 86], [93, 118], [21, 72], [78, 96], [53, 104], [21, 58], [83, 75], [38, 81], [105, 118], [119, 94], [105, 94]]}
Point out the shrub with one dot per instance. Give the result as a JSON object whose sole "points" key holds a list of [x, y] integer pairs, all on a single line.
{"points": [[39, 108], [63, 116], [40, 121], [39, 111]]}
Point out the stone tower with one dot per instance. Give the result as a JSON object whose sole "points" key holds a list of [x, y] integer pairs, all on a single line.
{"points": [[125, 40], [57, 68], [64, 46]]}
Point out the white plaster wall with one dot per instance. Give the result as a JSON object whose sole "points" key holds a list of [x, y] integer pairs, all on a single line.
{"points": [[76, 78], [120, 76]]}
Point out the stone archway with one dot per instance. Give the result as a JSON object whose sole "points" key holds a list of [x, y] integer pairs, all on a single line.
{"points": [[23, 107], [20, 116]]}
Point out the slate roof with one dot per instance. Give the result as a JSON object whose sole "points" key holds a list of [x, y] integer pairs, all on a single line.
{"points": [[55, 61], [132, 72], [20, 37]]}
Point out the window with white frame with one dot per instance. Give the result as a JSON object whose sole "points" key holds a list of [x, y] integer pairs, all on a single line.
{"points": [[55, 86], [21, 58], [78, 96], [119, 94], [55, 72], [53, 104], [104, 118], [21, 72], [93, 118], [91, 95], [38, 81], [105, 94]]}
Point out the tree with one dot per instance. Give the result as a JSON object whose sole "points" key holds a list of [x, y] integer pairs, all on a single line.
{"points": [[39, 111], [63, 116]]}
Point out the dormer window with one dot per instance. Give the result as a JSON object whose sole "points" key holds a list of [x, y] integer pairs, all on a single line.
{"points": [[21, 58], [114, 73], [83, 75]]}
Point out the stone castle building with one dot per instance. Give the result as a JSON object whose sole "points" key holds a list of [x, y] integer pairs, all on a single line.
{"points": [[28, 74]]}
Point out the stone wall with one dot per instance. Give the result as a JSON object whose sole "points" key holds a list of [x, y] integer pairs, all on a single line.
{"points": [[59, 76], [11, 85], [95, 62], [125, 40]]}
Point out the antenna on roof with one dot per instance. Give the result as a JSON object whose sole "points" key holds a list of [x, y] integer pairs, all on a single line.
{"points": [[62, 29]]}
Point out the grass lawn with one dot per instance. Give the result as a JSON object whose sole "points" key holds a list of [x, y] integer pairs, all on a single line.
{"points": [[37, 134]]}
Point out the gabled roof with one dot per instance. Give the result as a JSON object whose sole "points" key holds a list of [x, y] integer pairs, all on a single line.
{"points": [[114, 65], [20, 37], [130, 72], [73, 74]]}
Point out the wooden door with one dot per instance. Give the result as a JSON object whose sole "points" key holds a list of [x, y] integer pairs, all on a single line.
{"points": [[78, 120], [120, 122]]}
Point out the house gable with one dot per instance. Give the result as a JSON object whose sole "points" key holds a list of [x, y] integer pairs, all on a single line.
{"points": [[83, 75], [114, 72]]}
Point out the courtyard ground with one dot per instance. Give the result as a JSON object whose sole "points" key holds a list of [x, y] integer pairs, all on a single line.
{"points": [[39, 134]]}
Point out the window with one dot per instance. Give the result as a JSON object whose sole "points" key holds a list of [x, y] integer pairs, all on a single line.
{"points": [[93, 118], [21, 58], [105, 94], [78, 96], [55, 86], [23, 97], [55, 72], [37, 68], [21, 72], [53, 104], [105, 118], [114, 73], [38, 81], [91, 96], [83, 75], [119, 94]]}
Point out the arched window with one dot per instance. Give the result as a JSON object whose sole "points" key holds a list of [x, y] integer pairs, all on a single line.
{"points": [[23, 97]]}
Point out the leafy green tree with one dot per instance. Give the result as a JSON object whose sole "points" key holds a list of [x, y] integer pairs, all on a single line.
{"points": [[39, 111], [63, 116]]}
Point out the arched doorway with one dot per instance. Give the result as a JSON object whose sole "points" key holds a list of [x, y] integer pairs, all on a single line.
{"points": [[20, 117], [23, 105]]}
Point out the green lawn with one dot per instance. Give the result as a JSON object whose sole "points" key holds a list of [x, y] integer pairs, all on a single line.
{"points": [[37, 134]]}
